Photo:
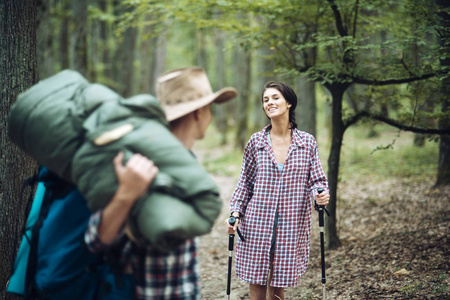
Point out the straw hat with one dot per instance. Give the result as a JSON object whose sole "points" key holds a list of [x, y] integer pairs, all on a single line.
{"points": [[185, 90]]}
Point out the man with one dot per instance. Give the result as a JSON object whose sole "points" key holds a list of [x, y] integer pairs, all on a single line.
{"points": [[186, 96]]}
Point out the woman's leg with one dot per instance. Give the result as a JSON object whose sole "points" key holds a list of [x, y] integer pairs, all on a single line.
{"points": [[258, 292], [276, 293]]}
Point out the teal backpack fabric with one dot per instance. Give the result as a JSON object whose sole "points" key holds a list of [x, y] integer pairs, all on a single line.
{"points": [[53, 261], [88, 125], [17, 282]]}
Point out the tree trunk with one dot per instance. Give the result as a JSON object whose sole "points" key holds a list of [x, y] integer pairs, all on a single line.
{"points": [[44, 35], [93, 47], [64, 41], [220, 110], [105, 33], [337, 91], [18, 71], [159, 58], [145, 60], [125, 57], [201, 57], [80, 60], [244, 85], [443, 176], [306, 107], [265, 73]]}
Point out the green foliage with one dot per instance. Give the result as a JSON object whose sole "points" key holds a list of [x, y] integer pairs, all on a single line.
{"points": [[224, 162], [379, 159], [376, 159]]}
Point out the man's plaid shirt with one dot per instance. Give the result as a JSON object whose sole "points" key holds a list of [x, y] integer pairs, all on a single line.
{"points": [[174, 275]]}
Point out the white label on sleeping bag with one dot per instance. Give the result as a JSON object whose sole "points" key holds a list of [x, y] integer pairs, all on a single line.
{"points": [[113, 135]]}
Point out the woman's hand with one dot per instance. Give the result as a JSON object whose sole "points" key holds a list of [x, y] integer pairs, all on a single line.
{"points": [[232, 228], [322, 198]]}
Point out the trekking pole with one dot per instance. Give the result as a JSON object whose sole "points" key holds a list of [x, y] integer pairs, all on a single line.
{"points": [[231, 221], [322, 244]]}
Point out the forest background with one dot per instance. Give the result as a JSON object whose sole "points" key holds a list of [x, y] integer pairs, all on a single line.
{"points": [[353, 64]]}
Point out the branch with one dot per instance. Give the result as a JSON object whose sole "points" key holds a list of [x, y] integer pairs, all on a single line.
{"points": [[394, 123], [392, 81], [337, 16]]}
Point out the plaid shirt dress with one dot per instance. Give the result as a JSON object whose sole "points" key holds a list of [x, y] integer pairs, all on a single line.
{"points": [[159, 276], [260, 192]]}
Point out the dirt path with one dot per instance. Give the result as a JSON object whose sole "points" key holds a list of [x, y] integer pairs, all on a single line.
{"points": [[395, 245]]}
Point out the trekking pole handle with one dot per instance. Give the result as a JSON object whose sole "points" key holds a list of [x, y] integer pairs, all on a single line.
{"points": [[231, 221], [321, 209]]}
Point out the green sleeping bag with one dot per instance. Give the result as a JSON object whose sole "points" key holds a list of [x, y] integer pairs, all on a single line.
{"points": [[86, 128]]}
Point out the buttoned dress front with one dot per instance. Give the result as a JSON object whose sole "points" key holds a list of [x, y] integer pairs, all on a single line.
{"points": [[262, 190]]}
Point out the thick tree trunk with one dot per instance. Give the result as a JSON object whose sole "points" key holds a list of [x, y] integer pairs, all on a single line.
{"points": [[338, 129], [18, 71]]}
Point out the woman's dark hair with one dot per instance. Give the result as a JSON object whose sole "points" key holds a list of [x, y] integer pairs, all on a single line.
{"points": [[288, 94]]}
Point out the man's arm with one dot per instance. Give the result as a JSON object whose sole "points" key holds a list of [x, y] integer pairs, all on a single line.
{"points": [[134, 179]]}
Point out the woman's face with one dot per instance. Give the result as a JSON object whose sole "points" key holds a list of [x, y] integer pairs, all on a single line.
{"points": [[274, 104]]}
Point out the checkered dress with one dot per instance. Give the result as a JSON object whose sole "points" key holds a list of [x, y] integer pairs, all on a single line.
{"points": [[260, 190], [174, 275]]}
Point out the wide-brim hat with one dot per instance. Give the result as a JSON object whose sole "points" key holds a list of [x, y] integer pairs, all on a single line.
{"points": [[185, 90]]}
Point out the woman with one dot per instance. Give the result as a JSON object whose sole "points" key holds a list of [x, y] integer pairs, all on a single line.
{"points": [[280, 173]]}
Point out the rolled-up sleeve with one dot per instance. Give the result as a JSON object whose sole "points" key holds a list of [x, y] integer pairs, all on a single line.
{"points": [[91, 236]]}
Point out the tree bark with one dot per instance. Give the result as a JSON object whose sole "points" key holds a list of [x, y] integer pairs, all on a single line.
{"points": [[443, 174], [338, 128], [18, 71]]}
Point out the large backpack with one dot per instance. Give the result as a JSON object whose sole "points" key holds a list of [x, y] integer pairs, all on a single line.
{"points": [[76, 128], [53, 263]]}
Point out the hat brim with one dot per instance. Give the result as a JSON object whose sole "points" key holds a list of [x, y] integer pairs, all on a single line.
{"points": [[176, 111]]}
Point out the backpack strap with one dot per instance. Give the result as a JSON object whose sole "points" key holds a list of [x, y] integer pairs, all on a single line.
{"points": [[54, 187]]}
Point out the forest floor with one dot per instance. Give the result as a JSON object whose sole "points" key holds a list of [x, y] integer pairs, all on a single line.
{"points": [[395, 245]]}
